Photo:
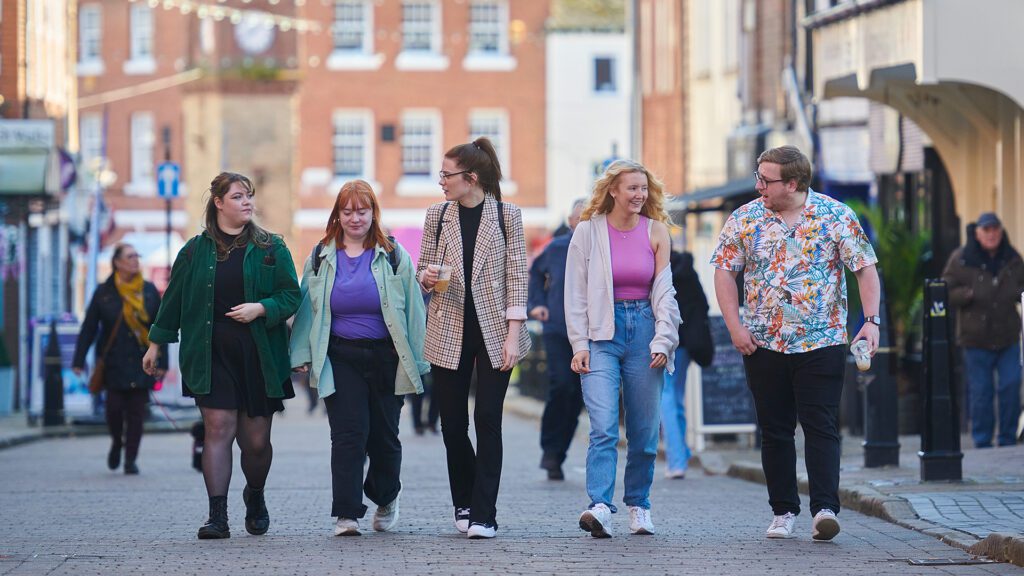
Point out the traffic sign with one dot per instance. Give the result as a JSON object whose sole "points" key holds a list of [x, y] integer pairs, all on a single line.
{"points": [[168, 176]]}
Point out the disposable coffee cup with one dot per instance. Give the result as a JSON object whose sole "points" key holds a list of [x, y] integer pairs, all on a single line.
{"points": [[444, 277], [862, 354]]}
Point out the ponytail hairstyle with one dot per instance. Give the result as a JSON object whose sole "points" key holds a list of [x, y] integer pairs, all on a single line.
{"points": [[219, 188], [356, 194], [478, 157]]}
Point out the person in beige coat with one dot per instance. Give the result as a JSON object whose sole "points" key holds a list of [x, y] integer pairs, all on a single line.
{"points": [[475, 319]]}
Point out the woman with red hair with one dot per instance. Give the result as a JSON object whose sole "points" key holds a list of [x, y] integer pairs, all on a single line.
{"points": [[359, 332]]}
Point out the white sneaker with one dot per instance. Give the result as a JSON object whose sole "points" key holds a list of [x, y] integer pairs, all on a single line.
{"points": [[462, 519], [825, 525], [347, 527], [782, 526], [478, 531], [385, 517], [640, 521], [597, 521]]}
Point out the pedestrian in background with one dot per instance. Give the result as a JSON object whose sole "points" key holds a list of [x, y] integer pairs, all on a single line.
{"points": [[359, 333], [986, 278], [476, 317], [622, 321], [547, 304], [693, 311], [791, 245], [231, 290], [419, 424], [120, 313]]}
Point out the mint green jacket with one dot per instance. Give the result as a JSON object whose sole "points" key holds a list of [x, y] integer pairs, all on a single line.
{"points": [[268, 277], [401, 303]]}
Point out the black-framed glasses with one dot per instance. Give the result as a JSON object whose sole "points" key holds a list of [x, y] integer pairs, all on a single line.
{"points": [[446, 175], [758, 179]]}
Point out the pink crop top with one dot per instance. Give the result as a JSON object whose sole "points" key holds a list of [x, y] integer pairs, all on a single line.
{"points": [[632, 261]]}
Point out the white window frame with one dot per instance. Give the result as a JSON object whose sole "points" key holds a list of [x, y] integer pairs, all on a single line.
{"points": [[364, 117], [421, 184], [142, 132], [423, 59], [90, 32], [499, 60], [141, 43], [362, 58], [614, 72], [502, 143], [90, 130]]}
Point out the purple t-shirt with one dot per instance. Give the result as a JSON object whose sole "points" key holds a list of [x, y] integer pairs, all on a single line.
{"points": [[355, 301]]}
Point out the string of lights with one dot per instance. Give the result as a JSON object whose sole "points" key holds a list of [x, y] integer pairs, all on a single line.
{"points": [[218, 12]]}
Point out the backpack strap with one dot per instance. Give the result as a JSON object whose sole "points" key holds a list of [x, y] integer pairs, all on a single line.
{"points": [[440, 221], [501, 222], [393, 255], [316, 257]]}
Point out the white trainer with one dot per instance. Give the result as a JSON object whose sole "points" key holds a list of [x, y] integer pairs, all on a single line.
{"points": [[825, 525], [782, 526], [386, 517], [597, 521], [640, 521], [477, 531], [347, 527], [462, 519]]}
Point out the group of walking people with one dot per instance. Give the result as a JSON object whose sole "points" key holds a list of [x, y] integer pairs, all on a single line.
{"points": [[365, 336]]}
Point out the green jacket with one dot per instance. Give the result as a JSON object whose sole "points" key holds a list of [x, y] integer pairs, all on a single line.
{"points": [[401, 303], [268, 278]]}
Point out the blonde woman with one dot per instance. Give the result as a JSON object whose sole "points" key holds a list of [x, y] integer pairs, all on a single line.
{"points": [[622, 320]]}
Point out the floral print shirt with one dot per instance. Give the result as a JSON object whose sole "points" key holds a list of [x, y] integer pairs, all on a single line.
{"points": [[793, 278]]}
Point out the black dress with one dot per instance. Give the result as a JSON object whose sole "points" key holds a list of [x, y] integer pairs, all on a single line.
{"points": [[236, 378]]}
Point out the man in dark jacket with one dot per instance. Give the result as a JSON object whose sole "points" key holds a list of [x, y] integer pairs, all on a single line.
{"points": [[985, 278], [546, 303]]}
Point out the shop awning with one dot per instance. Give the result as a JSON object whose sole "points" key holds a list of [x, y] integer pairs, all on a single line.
{"points": [[23, 171], [730, 189]]}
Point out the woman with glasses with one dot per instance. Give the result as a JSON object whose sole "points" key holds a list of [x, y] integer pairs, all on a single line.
{"points": [[622, 321], [473, 258], [231, 290], [120, 313]]}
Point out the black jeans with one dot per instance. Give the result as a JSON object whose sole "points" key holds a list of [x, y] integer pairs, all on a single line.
{"points": [[126, 411], [564, 402], [433, 410], [472, 477], [805, 386], [363, 414]]}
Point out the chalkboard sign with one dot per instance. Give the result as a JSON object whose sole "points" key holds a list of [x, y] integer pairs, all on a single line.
{"points": [[725, 398]]}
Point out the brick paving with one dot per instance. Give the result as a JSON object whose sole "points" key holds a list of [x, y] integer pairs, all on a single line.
{"points": [[62, 512], [977, 513]]}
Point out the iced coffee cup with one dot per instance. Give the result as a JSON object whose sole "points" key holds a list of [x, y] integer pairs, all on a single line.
{"points": [[862, 354], [444, 277]]}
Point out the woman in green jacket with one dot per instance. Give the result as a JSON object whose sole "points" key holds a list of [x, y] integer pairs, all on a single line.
{"points": [[230, 291], [359, 332]]}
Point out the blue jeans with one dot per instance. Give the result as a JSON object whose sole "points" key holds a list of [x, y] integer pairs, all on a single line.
{"points": [[673, 414], [623, 363], [980, 365]]}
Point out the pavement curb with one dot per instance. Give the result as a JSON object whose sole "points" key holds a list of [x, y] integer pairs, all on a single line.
{"points": [[866, 500], [40, 433]]}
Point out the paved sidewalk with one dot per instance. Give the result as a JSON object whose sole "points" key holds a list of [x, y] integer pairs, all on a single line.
{"points": [[15, 429], [64, 513]]}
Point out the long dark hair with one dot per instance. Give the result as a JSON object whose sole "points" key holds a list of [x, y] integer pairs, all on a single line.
{"points": [[118, 250], [359, 194], [479, 158], [250, 233]]}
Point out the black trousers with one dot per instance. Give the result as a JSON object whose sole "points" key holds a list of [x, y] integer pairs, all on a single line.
{"points": [[126, 412], [564, 401], [363, 414], [805, 386], [417, 400], [472, 477]]}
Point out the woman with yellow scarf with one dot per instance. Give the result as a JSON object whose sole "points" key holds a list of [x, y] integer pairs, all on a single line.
{"points": [[117, 322]]}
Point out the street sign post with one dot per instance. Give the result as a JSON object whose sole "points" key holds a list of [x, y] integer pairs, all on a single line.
{"points": [[168, 176]]}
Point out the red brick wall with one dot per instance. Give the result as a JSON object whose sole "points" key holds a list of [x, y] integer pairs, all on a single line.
{"points": [[9, 45]]}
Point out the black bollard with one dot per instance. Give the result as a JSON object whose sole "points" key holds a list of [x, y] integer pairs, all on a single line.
{"points": [[940, 454], [881, 424], [53, 384]]}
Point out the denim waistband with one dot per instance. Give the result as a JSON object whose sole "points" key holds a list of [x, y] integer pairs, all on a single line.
{"points": [[633, 303]]}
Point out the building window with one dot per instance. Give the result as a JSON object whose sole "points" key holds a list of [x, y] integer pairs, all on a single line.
{"points": [[91, 140], [488, 26], [352, 32], [492, 124], [143, 178], [418, 145], [90, 33], [604, 74], [141, 32], [351, 145], [418, 27]]}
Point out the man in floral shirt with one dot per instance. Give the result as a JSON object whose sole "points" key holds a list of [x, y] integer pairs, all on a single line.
{"points": [[791, 245]]}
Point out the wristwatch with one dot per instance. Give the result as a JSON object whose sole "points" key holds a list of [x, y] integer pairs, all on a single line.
{"points": [[876, 319]]}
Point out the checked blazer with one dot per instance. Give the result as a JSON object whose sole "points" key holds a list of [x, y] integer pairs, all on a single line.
{"points": [[499, 287]]}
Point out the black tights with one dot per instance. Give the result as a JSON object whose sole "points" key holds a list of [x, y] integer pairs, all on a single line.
{"points": [[223, 427]]}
